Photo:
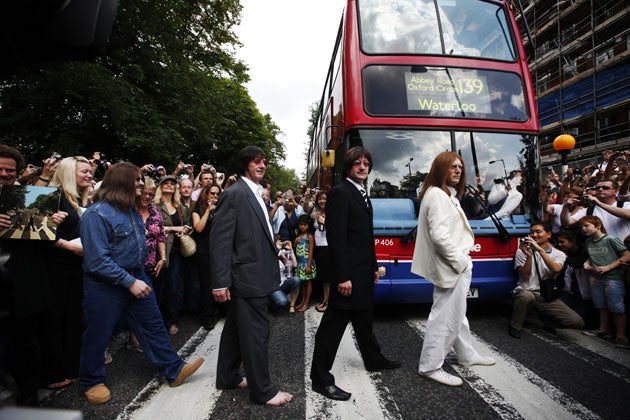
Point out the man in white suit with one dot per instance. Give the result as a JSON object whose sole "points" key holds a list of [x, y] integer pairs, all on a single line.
{"points": [[442, 257]]}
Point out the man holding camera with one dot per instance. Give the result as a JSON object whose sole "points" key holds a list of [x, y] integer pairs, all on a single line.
{"points": [[284, 216], [527, 293], [615, 216], [206, 177]]}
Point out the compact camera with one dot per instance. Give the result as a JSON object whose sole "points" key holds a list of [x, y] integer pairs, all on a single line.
{"points": [[55, 157], [522, 241]]}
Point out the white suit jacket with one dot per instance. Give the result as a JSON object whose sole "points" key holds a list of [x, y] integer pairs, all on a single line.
{"points": [[443, 241]]}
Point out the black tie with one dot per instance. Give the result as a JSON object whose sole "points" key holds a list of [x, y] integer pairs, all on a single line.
{"points": [[364, 195]]}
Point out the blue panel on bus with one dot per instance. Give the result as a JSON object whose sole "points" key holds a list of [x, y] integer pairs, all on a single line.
{"points": [[401, 286], [393, 216], [517, 226]]}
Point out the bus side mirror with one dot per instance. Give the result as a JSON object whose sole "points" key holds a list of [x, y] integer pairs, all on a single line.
{"points": [[328, 159]]}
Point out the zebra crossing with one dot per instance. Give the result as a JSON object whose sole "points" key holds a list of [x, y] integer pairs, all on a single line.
{"points": [[509, 390]]}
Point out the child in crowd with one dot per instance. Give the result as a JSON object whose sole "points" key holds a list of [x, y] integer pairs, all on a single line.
{"points": [[289, 284], [607, 287], [304, 247]]}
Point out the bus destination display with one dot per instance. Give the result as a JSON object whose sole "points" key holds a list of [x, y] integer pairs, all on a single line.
{"points": [[446, 92]]}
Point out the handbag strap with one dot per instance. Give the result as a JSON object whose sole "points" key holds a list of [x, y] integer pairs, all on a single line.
{"points": [[179, 213], [536, 265]]}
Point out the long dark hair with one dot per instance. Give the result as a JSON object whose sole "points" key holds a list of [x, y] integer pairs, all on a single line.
{"points": [[202, 201], [438, 174], [119, 186]]}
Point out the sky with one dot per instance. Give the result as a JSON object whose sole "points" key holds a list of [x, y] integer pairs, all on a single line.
{"points": [[287, 45]]}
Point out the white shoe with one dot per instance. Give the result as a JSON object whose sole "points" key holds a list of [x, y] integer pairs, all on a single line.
{"points": [[481, 361], [442, 377]]}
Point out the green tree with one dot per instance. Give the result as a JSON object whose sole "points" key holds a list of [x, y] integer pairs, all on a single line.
{"points": [[169, 89], [282, 179]]}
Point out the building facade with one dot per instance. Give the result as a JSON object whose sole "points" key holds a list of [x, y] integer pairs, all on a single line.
{"points": [[578, 52]]}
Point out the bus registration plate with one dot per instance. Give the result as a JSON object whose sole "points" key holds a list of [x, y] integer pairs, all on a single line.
{"points": [[473, 293]]}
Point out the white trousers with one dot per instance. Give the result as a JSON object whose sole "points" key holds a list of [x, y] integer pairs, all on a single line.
{"points": [[447, 326]]}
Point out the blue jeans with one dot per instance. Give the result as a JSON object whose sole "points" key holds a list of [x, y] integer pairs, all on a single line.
{"points": [[281, 296], [103, 305], [607, 293]]}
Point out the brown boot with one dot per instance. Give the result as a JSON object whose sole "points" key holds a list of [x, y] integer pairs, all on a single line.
{"points": [[98, 394], [187, 370]]}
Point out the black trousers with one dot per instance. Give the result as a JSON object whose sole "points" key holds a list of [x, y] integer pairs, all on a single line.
{"points": [[244, 340], [329, 335]]}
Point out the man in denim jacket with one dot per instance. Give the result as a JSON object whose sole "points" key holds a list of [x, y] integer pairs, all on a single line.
{"points": [[113, 236]]}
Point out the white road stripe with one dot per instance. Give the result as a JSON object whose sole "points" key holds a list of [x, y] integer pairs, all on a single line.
{"points": [[368, 399], [509, 387], [196, 398]]}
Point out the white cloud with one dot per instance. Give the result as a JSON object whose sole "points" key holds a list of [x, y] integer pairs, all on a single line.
{"points": [[287, 45]]}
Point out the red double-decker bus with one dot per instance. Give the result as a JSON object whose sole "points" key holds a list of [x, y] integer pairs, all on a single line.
{"points": [[409, 79]]}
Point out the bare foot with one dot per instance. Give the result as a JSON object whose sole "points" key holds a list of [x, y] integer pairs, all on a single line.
{"points": [[243, 384], [303, 308], [281, 398]]}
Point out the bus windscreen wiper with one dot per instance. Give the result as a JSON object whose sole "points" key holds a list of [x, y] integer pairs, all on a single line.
{"points": [[503, 233]]}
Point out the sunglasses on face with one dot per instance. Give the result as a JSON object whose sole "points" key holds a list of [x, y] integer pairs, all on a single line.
{"points": [[258, 161], [602, 187], [214, 193]]}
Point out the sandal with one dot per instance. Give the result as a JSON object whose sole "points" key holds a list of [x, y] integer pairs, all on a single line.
{"points": [[292, 310], [321, 307], [58, 385]]}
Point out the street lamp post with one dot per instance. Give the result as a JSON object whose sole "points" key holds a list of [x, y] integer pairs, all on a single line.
{"points": [[408, 165], [563, 144]]}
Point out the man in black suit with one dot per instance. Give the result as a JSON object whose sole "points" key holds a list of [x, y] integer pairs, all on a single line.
{"points": [[351, 244], [244, 271]]}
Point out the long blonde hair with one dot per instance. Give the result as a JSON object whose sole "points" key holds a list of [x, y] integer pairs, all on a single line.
{"points": [[174, 200], [66, 178]]}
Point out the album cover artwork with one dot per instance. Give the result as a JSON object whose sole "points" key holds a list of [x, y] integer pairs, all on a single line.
{"points": [[30, 209]]}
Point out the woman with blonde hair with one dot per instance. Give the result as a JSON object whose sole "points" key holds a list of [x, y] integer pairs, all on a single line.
{"points": [[176, 221], [61, 335]]}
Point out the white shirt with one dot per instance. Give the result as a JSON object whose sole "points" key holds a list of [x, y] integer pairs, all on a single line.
{"points": [[257, 189], [532, 283]]}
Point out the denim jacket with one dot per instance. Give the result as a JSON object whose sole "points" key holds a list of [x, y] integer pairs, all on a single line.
{"points": [[114, 244]]}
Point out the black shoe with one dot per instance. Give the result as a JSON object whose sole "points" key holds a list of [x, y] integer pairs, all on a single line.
{"points": [[209, 324], [383, 365], [514, 332], [332, 391]]}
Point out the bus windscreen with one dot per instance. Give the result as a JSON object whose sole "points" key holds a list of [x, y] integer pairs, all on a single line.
{"points": [[468, 28]]}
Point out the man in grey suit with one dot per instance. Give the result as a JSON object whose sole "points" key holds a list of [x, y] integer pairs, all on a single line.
{"points": [[351, 242], [244, 272]]}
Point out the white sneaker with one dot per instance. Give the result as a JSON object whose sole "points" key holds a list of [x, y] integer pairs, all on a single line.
{"points": [[442, 377], [481, 361]]}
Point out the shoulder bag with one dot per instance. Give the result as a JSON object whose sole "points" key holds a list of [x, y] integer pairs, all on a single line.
{"points": [[188, 246], [550, 287]]}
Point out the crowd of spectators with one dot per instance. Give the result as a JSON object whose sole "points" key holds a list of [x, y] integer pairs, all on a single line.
{"points": [[40, 304], [585, 213], [40, 333]]}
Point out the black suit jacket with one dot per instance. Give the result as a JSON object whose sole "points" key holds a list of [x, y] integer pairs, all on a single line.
{"points": [[351, 244], [243, 254]]}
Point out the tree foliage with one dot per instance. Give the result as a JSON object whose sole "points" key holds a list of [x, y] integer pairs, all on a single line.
{"points": [[168, 89]]}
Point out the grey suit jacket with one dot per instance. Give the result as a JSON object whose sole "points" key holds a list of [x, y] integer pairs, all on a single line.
{"points": [[243, 255]]}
